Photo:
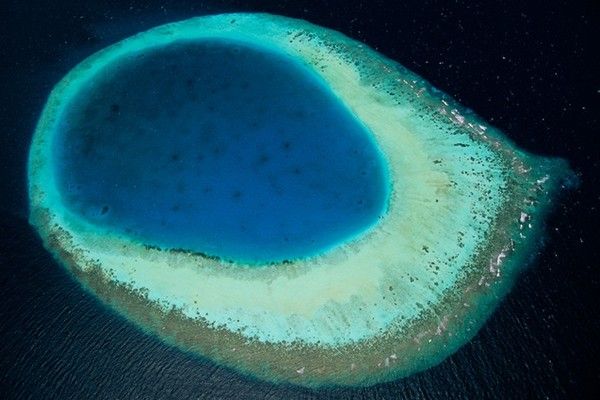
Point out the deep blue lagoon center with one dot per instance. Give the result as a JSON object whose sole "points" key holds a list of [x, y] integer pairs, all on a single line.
{"points": [[221, 147], [282, 199]]}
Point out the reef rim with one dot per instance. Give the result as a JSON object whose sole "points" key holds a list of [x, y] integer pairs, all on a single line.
{"points": [[403, 340]]}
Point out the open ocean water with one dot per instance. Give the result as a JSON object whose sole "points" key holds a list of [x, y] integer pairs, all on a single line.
{"points": [[528, 67]]}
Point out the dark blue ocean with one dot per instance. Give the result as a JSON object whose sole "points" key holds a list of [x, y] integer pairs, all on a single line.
{"points": [[529, 68]]}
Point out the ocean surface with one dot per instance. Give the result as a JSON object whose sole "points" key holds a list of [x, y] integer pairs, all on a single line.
{"points": [[530, 68]]}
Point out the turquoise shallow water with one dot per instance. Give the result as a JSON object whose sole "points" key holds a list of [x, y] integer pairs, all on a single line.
{"points": [[225, 149]]}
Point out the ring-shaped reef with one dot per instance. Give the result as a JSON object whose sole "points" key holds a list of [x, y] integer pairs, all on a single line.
{"points": [[161, 175]]}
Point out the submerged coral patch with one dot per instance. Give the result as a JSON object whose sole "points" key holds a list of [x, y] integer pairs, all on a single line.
{"points": [[325, 219]]}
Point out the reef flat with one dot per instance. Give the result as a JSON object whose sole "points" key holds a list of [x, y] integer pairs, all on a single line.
{"points": [[395, 294]]}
